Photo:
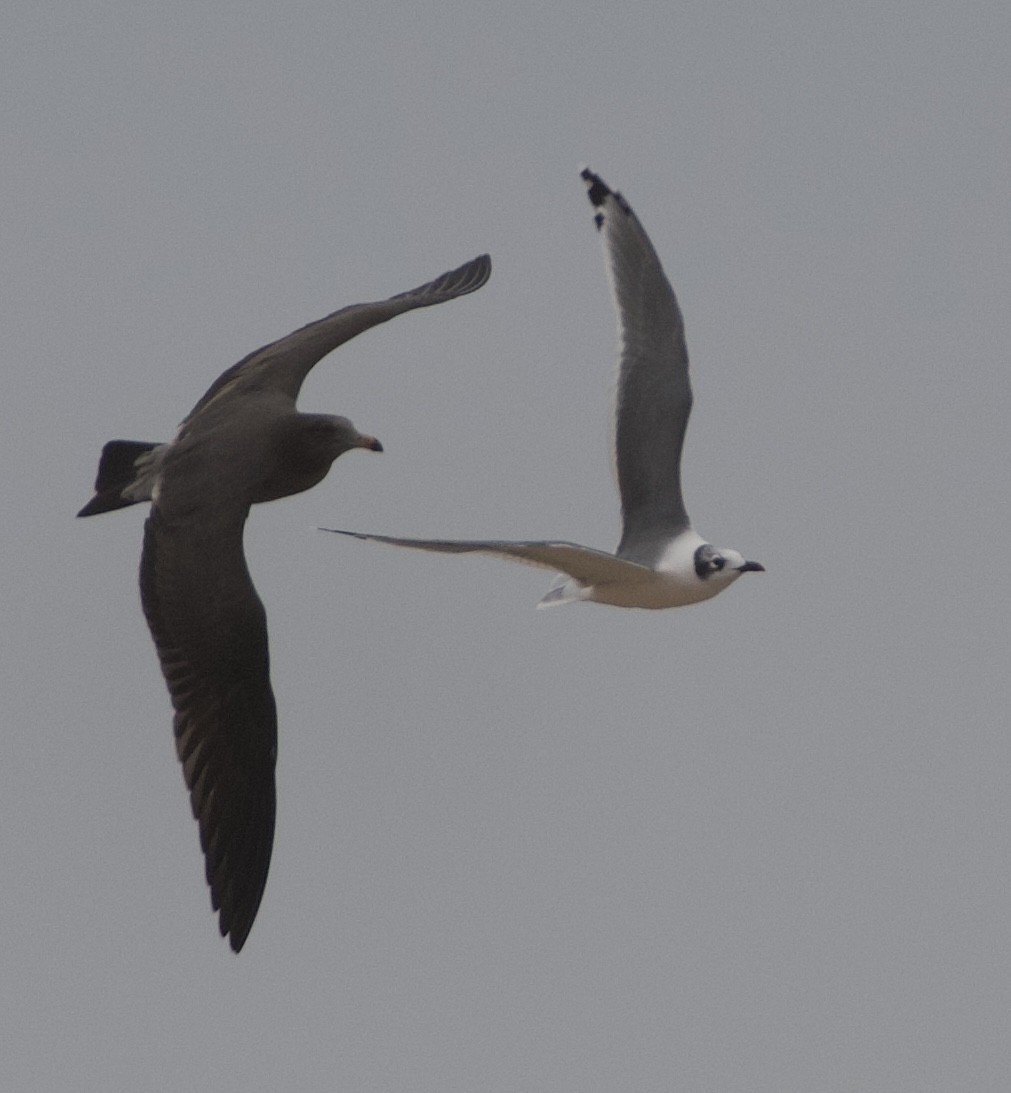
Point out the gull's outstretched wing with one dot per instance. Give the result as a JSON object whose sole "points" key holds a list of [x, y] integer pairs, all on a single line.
{"points": [[283, 365], [587, 565], [210, 630], [654, 396]]}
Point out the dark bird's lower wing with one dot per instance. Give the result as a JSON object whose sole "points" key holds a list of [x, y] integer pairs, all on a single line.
{"points": [[210, 630]]}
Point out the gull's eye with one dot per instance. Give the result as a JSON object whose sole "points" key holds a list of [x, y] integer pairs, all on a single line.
{"points": [[718, 563]]}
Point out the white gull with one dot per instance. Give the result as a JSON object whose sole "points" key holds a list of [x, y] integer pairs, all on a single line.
{"points": [[661, 560]]}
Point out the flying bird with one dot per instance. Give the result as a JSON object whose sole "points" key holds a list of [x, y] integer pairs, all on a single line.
{"points": [[661, 560], [244, 442]]}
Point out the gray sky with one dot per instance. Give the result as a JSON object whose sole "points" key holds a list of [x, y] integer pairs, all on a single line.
{"points": [[761, 844]]}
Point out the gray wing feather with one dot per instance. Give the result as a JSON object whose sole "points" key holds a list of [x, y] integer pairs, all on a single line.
{"points": [[283, 365], [654, 396], [584, 563], [210, 630]]}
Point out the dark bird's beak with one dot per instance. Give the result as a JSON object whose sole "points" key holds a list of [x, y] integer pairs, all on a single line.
{"points": [[751, 567], [371, 444]]}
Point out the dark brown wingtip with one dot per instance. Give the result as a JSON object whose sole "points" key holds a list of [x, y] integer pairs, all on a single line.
{"points": [[236, 938], [469, 277]]}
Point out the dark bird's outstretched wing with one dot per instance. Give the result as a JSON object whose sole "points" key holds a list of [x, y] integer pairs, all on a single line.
{"points": [[283, 365], [211, 633]]}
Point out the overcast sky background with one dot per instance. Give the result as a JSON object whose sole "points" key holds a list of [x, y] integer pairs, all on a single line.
{"points": [[760, 844]]}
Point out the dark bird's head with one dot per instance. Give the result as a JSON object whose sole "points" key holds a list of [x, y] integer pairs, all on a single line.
{"points": [[318, 439], [306, 446], [336, 435]]}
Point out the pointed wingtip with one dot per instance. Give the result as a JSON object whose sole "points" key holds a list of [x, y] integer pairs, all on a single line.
{"points": [[598, 191], [349, 534], [235, 939], [475, 273]]}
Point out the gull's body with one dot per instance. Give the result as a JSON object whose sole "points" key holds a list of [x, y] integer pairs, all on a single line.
{"points": [[661, 561], [243, 443]]}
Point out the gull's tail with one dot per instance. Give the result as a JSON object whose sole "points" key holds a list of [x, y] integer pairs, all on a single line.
{"points": [[566, 589], [126, 475]]}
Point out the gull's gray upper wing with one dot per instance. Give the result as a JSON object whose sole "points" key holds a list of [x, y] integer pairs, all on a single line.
{"points": [[210, 630], [283, 365], [654, 396], [586, 564]]}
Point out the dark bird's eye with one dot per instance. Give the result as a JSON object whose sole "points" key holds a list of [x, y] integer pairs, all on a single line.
{"points": [[718, 563]]}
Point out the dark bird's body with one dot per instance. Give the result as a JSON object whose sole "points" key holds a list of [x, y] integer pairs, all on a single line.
{"points": [[243, 443]]}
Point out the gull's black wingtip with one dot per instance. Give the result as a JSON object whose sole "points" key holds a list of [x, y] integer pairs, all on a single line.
{"points": [[597, 190]]}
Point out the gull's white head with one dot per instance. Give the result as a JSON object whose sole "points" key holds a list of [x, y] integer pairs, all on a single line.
{"points": [[718, 567]]}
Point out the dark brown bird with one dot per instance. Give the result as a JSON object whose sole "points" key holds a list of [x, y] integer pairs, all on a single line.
{"points": [[244, 442]]}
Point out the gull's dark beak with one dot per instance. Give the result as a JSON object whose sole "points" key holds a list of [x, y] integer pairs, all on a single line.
{"points": [[751, 567], [371, 444]]}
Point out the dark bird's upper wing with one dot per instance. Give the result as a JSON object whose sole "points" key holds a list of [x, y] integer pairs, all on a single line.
{"points": [[211, 633], [283, 365], [654, 395]]}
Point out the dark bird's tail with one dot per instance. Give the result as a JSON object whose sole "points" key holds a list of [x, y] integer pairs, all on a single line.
{"points": [[126, 473]]}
